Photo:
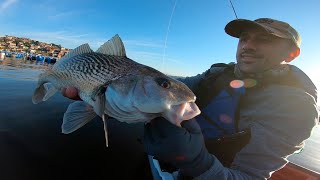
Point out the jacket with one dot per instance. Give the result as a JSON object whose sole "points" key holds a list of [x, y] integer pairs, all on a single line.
{"points": [[280, 117]]}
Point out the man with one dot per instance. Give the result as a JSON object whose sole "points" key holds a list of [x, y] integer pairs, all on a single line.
{"points": [[255, 113]]}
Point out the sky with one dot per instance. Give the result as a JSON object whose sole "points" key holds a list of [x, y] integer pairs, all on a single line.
{"points": [[177, 37]]}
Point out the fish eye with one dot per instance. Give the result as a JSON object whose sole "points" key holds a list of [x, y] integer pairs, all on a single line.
{"points": [[165, 85], [163, 82]]}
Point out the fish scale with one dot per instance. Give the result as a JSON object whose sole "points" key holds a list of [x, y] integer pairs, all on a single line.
{"points": [[91, 65], [96, 62]]}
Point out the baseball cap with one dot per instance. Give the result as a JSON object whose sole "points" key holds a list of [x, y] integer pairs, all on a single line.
{"points": [[277, 28]]}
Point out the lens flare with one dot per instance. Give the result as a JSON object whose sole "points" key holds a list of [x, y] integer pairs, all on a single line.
{"points": [[236, 83], [249, 83]]}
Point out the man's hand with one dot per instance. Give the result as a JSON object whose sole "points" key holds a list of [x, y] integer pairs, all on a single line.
{"points": [[182, 147], [71, 93]]}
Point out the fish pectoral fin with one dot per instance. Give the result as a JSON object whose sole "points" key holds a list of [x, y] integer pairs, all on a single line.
{"points": [[49, 92], [77, 115]]}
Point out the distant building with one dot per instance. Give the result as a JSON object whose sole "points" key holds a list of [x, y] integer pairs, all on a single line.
{"points": [[21, 44]]}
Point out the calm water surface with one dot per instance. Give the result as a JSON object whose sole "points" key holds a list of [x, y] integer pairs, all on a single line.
{"points": [[33, 147]]}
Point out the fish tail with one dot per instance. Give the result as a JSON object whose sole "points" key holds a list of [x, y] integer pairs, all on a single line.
{"points": [[39, 94], [42, 92]]}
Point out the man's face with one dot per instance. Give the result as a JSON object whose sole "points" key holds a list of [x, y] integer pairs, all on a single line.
{"points": [[259, 51]]}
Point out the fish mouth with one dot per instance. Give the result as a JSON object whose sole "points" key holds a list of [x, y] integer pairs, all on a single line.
{"points": [[181, 112]]}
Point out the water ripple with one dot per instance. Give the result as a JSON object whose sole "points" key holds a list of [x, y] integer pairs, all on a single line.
{"points": [[21, 69]]}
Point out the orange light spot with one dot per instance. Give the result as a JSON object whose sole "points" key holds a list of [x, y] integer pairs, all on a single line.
{"points": [[236, 84]]}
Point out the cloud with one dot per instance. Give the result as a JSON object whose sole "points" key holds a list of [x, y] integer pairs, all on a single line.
{"points": [[177, 61], [151, 51], [143, 51], [64, 38], [153, 56], [155, 60], [53, 12], [72, 40], [146, 56], [60, 15], [143, 44], [6, 4]]}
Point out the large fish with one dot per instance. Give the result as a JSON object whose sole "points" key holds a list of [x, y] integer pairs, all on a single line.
{"points": [[111, 84]]}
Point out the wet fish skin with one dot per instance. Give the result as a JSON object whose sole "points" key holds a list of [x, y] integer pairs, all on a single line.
{"points": [[111, 83]]}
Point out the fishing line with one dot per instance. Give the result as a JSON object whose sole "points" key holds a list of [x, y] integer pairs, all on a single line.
{"points": [[168, 29], [166, 38], [234, 11], [105, 129]]}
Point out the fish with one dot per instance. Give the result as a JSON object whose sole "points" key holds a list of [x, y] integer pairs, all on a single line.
{"points": [[111, 85]]}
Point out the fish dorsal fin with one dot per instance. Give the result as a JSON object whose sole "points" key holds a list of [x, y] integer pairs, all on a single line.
{"points": [[114, 47], [84, 48]]}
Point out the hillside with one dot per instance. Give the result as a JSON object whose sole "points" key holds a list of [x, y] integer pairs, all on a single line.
{"points": [[26, 45]]}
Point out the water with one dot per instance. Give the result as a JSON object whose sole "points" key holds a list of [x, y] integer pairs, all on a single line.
{"points": [[33, 147], [309, 157]]}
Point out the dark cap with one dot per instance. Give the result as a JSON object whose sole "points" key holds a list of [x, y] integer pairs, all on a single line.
{"points": [[274, 27]]}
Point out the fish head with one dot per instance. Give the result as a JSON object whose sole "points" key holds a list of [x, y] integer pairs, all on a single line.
{"points": [[157, 93]]}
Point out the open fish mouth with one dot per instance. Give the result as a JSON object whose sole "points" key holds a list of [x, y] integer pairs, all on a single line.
{"points": [[178, 113]]}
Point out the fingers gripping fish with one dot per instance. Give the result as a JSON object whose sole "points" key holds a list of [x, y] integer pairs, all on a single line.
{"points": [[111, 84]]}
